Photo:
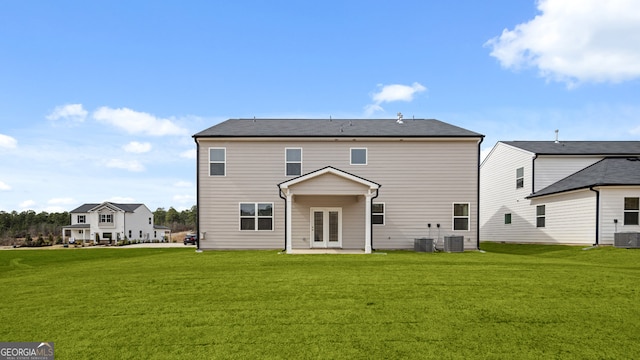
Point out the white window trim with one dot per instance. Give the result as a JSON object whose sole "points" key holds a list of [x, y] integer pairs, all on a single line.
{"points": [[625, 211], [520, 177], [366, 155], [454, 216], [286, 161], [541, 216], [217, 162], [84, 219], [383, 213], [256, 216], [105, 216]]}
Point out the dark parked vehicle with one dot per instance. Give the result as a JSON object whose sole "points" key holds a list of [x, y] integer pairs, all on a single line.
{"points": [[190, 239]]}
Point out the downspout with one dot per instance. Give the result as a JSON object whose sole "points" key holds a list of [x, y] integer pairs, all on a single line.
{"points": [[478, 196], [197, 194], [533, 173], [371, 222], [285, 218], [597, 215]]}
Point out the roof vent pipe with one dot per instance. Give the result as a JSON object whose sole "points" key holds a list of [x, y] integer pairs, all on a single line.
{"points": [[557, 136], [399, 121]]}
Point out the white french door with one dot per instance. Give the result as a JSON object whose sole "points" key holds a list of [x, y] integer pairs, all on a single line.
{"points": [[326, 227]]}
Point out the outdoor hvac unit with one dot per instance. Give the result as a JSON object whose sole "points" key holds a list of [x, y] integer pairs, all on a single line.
{"points": [[628, 240], [453, 243], [423, 245]]}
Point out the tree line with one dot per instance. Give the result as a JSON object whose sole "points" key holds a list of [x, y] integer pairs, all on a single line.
{"points": [[29, 224]]}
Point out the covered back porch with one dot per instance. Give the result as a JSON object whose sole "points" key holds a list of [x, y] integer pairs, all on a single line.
{"points": [[328, 209]]}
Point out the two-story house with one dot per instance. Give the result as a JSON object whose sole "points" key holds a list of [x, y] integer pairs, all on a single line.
{"points": [[109, 222], [560, 192], [298, 184]]}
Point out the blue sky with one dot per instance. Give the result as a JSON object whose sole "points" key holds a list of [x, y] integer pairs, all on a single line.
{"points": [[99, 100]]}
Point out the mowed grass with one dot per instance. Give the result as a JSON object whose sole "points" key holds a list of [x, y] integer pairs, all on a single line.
{"points": [[511, 302]]}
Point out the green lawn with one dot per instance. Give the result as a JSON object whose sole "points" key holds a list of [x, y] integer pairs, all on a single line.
{"points": [[511, 302]]}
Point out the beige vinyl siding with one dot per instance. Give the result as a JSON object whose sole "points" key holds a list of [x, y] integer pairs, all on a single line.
{"points": [[420, 181], [612, 207], [329, 184], [551, 169], [499, 195]]}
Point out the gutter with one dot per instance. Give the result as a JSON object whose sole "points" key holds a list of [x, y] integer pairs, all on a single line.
{"points": [[597, 215], [285, 218], [370, 220]]}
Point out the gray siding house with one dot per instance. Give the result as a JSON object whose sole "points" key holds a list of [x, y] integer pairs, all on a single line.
{"points": [[300, 184], [564, 192]]}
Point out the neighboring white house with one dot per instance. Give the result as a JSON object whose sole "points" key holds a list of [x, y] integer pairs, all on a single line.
{"points": [[569, 192], [109, 222], [335, 183]]}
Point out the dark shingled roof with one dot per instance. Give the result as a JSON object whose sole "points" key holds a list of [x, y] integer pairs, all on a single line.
{"points": [[124, 207], [609, 171], [334, 128], [605, 148]]}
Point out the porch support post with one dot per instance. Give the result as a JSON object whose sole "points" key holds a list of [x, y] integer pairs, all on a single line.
{"points": [[367, 223], [289, 246]]}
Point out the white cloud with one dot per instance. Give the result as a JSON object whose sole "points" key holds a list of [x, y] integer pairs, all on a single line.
{"points": [[8, 142], [27, 204], [135, 122], [397, 92], [575, 41], [184, 198], [4, 186], [136, 147], [183, 184], [121, 199], [61, 201], [54, 209], [391, 93], [69, 112], [188, 154], [131, 165]]}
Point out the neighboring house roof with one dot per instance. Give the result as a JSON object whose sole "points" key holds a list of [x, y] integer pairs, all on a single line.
{"points": [[78, 226], [160, 227], [88, 207], [334, 128], [605, 148], [609, 171]]}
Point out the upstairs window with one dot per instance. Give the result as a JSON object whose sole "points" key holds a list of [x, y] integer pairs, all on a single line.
{"points": [[358, 156], [631, 210], [461, 216], [82, 219], [106, 218], [293, 161], [256, 216], [519, 178], [541, 216], [377, 213], [149, 221], [217, 161]]}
